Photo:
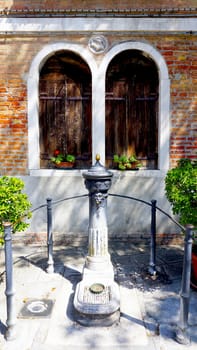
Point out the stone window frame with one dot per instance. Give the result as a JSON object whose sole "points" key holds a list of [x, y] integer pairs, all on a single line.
{"points": [[98, 101]]}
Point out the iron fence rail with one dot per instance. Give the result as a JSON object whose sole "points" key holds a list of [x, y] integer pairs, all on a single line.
{"points": [[184, 295]]}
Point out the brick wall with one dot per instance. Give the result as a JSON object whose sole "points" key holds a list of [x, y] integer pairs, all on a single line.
{"points": [[179, 52], [13, 106], [181, 57], [13, 122]]}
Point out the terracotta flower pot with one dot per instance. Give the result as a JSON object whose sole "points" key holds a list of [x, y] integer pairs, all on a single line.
{"points": [[64, 165], [194, 270]]}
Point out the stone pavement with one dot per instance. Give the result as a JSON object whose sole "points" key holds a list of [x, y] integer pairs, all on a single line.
{"points": [[149, 308]]}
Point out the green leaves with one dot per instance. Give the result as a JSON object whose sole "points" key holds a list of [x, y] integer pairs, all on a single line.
{"points": [[181, 190], [14, 205], [59, 158], [125, 162]]}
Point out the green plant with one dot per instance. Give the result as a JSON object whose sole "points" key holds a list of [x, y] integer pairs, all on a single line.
{"points": [[126, 162], [181, 190], [60, 157], [14, 205]]}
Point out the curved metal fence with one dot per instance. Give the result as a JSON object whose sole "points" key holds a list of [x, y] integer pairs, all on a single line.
{"points": [[9, 292]]}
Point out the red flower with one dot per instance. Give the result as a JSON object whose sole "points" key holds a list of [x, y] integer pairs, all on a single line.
{"points": [[56, 152]]}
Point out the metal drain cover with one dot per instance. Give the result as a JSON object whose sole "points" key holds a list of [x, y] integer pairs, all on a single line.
{"points": [[97, 288], [34, 308]]}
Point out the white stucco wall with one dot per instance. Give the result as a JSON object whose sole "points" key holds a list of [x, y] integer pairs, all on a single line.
{"points": [[125, 217]]}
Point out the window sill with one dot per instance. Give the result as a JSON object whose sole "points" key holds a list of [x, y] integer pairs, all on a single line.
{"points": [[79, 172]]}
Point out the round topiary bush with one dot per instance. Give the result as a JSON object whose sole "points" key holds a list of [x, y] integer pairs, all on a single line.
{"points": [[181, 190], [14, 205]]}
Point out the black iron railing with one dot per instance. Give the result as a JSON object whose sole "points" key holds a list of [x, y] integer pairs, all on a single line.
{"points": [[185, 286]]}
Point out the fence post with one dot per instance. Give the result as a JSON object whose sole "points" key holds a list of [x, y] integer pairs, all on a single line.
{"points": [[50, 262], [152, 263], [181, 334], [9, 291]]}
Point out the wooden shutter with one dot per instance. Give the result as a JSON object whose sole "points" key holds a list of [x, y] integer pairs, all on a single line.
{"points": [[65, 115], [131, 109]]}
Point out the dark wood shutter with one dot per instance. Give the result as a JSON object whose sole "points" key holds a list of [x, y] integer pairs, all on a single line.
{"points": [[65, 113], [132, 109]]}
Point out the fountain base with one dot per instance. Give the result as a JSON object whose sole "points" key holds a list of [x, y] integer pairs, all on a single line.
{"points": [[97, 304]]}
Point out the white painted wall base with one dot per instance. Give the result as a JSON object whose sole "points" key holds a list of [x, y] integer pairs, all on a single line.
{"points": [[125, 217]]}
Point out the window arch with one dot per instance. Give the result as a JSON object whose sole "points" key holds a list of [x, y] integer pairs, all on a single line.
{"points": [[163, 95], [33, 93]]}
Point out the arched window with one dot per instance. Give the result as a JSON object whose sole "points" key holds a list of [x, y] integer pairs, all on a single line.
{"points": [[132, 86], [65, 108], [97, 82]]}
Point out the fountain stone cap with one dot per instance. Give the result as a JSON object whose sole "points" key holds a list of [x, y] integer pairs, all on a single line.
{"points": [[97, 171]]}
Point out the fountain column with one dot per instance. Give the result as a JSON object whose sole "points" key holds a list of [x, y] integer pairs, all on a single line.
{"points": [[97, 300]]}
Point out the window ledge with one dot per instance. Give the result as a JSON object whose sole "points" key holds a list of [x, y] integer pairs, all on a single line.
{"points": [[139, 173], [79, 172]]}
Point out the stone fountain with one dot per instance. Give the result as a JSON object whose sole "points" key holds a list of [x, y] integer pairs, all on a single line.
{"points": [[97, 298]]}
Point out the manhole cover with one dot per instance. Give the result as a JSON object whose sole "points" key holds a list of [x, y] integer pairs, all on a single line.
{"points": [[37, 308]]}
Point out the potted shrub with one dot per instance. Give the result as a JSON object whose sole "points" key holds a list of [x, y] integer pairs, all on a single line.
{"points": [[61, 160], [14, 205], [181, 191], [125, 162]]}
